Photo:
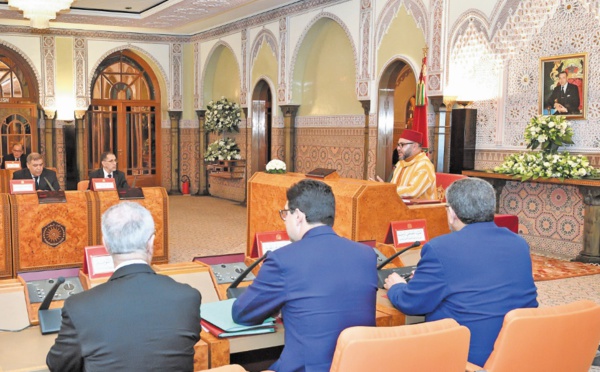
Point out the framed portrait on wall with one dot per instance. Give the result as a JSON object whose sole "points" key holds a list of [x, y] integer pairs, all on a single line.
{"points": [[564, 85]]}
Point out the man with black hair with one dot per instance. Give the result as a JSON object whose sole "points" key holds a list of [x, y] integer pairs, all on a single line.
{"points": [[565, 97], [321, 283], [474, 275]]}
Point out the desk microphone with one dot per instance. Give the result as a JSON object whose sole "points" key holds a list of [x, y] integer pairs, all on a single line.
{"points": [[233, 291], [51, 188], [50, 319], [404, 272]]}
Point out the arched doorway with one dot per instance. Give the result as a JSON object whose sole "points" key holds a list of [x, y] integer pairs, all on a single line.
{"points": [[124, 118], [262, 101], [395, 106], [18, 103]]}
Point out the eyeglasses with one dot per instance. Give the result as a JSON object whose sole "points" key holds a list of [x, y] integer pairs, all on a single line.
{"points": [[283, 213], [401, 145]]}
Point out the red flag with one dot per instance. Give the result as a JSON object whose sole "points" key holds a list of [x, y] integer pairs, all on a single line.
{"points": [[420, 114]]}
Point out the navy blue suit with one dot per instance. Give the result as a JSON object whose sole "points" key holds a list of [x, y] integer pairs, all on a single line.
{"points": [[322, 284], [475, 276]]}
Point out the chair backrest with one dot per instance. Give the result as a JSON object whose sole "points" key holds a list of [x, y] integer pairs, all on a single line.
{"points": [[441, 345], [443, 180], [83, 185], [560, 338]]}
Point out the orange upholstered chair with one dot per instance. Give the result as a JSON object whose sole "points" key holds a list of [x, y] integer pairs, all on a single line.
{"points": [[442, 345], [559, 338], [83, 185], [443, 180]]}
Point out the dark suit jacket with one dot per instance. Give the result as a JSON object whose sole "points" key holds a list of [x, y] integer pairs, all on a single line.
{"points": [[119, 177], [137, 321], [47, 174], [474, 276], [322, 284], [11, 157], [569, 99]]}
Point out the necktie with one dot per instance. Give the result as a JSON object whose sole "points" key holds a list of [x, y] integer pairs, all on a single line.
{"points": [[564, 89], [37, 179], [110, 175]]}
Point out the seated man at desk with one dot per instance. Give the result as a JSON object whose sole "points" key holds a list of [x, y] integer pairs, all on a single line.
{"points": [[474, 275], [16, 155], [414, 175], [45, 179], [138, 320], [321, 283], [109, 170]]}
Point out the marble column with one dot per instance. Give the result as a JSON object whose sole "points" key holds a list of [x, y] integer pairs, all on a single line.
{"points": [[174, 116], [289, 135]]}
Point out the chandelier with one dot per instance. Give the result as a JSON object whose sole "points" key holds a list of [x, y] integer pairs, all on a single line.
{"points": [[40, 12]]}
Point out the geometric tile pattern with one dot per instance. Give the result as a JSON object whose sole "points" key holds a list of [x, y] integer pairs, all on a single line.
{"points": [[334, 148], [550, 216]]}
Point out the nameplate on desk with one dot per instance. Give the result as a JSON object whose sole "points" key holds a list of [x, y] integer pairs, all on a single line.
{"points": [[103, 184], [49, 197], [404, 233], [22, 187], [269, 241], [97, 262], [14, 165]]}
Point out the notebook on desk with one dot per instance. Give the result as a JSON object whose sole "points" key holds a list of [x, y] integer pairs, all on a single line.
{"points": [[218, 315]]}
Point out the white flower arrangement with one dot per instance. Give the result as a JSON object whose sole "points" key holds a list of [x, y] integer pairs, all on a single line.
{"points": [[222, 116], [276, 166], [548, 131], [222, 149], [533, 165]]}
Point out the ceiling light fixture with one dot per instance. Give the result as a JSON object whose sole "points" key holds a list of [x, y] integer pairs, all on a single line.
{"points": [[40, 12]]}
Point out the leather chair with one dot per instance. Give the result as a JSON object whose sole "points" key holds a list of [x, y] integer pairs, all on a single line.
{"points": [[443, 180], [559, 338], [441, 345]]}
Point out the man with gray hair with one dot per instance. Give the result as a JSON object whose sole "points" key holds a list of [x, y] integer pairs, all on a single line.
{"points": [[138, 320], [475, 275]]}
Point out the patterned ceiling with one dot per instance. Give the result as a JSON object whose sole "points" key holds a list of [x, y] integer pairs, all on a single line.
{"points": [[153, 16]]}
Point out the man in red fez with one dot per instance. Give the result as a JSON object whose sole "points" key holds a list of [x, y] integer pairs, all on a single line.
{"points": [[414, 174]]}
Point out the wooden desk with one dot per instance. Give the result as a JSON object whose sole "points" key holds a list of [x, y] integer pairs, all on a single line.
{"points": [[589, 189], [6, 255], [363, 210], [52, 236], [25, 350]]}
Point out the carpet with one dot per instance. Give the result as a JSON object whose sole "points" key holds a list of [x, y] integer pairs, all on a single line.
{"points": [[546, 268]]}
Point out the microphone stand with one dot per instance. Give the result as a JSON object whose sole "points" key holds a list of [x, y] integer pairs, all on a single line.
{"points": [[404, 272], [50, 319], [233, 291]]}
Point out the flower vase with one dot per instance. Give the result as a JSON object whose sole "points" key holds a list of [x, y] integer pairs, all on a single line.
{"points": [[552, 148]]}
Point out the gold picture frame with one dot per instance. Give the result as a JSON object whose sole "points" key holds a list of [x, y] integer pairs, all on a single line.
{"points": [[572, 100]]}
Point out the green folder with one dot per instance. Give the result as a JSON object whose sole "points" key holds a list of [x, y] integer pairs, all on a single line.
{"points": [[219, 314]]}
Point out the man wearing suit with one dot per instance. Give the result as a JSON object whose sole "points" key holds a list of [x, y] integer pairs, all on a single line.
{"points": [[321, 283], [109, 170], [45, 179], [565, 97], [16, 155], [138, 320], [474, 275]]}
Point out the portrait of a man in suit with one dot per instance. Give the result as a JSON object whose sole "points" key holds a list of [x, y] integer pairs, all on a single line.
{"points": [[565, 97], [563, 85]]}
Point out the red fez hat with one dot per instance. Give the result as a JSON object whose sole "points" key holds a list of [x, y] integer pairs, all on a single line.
{"points": [[412, 135]]}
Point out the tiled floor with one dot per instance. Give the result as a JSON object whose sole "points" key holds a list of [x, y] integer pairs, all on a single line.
{"points": [[205, 226]]}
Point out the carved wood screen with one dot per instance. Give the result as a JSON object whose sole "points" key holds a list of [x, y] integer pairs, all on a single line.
{"points": [[123, 118], [18, 103]]}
